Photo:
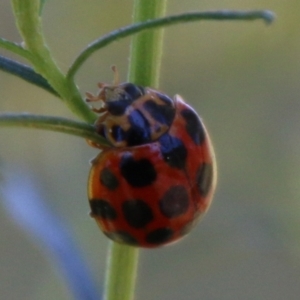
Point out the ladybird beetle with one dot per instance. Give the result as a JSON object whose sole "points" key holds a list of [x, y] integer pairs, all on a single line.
{"points": [[158, 177]]}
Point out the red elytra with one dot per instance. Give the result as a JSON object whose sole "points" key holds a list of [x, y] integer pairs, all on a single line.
{"points": [[153, 184]]}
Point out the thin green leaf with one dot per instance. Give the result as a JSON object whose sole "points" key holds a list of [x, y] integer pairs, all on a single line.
{"points": [[224, 15], [58, 124], [15, 48], [26, 73]]}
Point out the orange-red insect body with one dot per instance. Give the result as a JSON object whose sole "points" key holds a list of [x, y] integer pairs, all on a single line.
{"points": [[151, 187]]}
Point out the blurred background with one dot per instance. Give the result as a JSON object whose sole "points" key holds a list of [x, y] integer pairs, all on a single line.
{"points": [[243, 79]]}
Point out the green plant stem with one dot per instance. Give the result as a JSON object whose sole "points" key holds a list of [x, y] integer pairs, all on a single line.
{"points": [[146, 47], [57, 124], [121, 272], [27, 13], [223, 15], [30, 27], [123, 260]]}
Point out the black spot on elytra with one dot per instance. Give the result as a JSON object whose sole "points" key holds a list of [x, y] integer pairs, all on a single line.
{"points": [[137, 213], [174, 202], [204, 178], [139, 131], [108, 179], [173, 151], [137, 173], [194, 126], [159, 236], [102, 208], [164, 114], [122, 237]]}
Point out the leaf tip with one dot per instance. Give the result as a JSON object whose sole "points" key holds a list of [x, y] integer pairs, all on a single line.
{"points": [[268, 16]]}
